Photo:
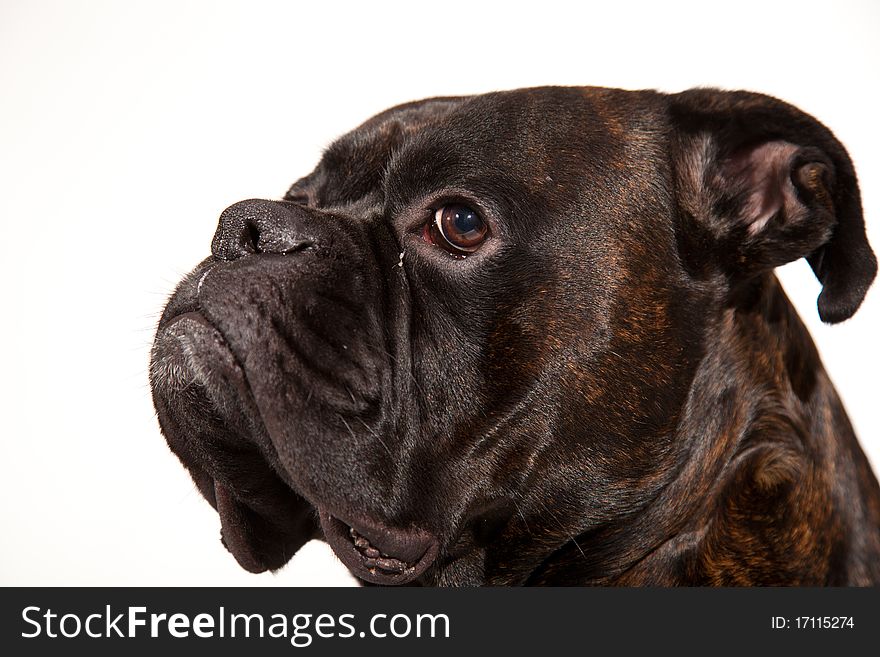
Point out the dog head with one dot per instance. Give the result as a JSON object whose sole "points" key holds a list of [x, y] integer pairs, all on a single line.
{"points": [[467, 337]]}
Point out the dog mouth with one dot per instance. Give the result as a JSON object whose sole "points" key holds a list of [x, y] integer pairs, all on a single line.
{"points": [[195, 369], [379, 553]]}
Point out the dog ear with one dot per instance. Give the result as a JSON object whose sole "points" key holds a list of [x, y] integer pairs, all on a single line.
{"points": [[761, 183]]}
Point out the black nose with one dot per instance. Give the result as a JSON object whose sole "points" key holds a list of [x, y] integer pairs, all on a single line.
{"points": [[260, 226]]}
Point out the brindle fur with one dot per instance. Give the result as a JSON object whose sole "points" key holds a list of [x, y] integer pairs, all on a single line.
{"points": [[616, 392]]}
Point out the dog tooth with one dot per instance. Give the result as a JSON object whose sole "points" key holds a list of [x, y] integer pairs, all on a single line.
{"points": [[391, 565], [361, 542], [372, 552]]}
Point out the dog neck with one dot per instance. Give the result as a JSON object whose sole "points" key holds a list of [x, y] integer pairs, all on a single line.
{"points": [[760, 436]]}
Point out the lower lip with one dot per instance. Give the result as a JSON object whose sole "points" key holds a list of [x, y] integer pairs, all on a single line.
{"points": [[384, 569]]}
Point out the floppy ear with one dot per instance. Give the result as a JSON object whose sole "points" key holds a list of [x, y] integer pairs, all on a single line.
{"points": [[761, 183]]}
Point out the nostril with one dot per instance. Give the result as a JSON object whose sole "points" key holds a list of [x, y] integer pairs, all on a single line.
{"points": [[252, 236], [304, 245], [262, 227]]}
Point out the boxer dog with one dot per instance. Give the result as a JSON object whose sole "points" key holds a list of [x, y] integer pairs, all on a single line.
{"points": [[534, 338]]}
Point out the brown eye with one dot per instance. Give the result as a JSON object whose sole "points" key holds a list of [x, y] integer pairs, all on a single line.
{"points": [[458, 229]]}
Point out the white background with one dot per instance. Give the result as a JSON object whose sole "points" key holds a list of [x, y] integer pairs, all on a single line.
{"points": [[127, 127]]}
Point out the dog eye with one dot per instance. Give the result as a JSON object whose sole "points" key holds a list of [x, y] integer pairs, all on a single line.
{"points": [[457, 228]]}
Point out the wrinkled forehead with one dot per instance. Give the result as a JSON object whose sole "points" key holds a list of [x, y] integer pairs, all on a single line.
{"points": [[563, 135], [355, 164]]}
